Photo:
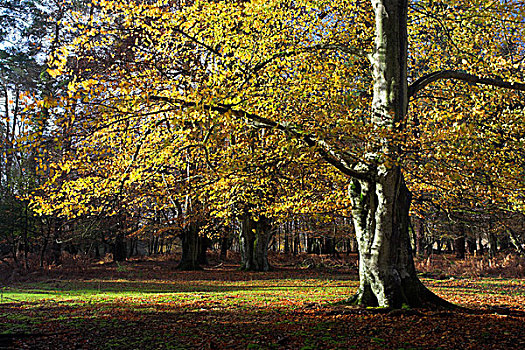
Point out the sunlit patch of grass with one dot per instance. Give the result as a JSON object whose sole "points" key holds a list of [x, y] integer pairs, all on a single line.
{"points": [[207, 294], [257, 292]]}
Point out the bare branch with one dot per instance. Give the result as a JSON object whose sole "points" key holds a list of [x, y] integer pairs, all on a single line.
{"points": [[428, 79]]}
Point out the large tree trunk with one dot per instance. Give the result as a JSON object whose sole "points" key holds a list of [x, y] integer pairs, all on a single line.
{"points": [[387, 274], [471, 245], [204, 244], [253, 239], [328, 246], [380, 204], [459, 245], [190, 248], [119, 248]]}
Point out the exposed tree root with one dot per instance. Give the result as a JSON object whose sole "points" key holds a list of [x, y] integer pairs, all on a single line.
{"points": [[410, 295]]}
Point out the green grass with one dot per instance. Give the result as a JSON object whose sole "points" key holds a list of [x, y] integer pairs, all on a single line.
{"points": [[271, 291], [252, 313]]}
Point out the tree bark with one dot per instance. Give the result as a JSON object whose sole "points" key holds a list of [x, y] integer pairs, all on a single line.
{"points": [[387, 274], [286, 242], [45, 241], [459, 247], [420, 236], [504, 242], [516, 241], [119, 248], [448, 246], [296, 244], [328, 246], [480, 250], [471, 245], [204, 244], [190, 248], [56, 251], [96, 250], [493, 243], [226, 243], [253, 240], [380, 204]]}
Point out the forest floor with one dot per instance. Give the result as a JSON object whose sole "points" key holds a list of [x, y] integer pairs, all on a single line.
{"points": [[148, 304]]}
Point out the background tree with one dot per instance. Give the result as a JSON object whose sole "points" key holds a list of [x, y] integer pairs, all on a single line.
{"points": [[30, 31]]}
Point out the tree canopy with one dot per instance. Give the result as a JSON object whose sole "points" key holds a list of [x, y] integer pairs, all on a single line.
{"points": [[284, 106]]}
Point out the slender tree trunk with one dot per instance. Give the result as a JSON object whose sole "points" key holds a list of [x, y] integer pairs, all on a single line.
{"points": [[310, 245], [480, 250], [25, 233], [296, 244], [413, 237], [286, 242], [161, 246], [353, 245], [420, 236], [43, 249], [97, 250], [516, 242], [439, 246], [155, 245], [56, 247], [131, 249], [328, 246], [493, 243], [46, 238], [225, 245]]}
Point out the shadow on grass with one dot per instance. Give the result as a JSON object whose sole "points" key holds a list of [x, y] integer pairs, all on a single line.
{"points": [[497, 286], [217, 326]]}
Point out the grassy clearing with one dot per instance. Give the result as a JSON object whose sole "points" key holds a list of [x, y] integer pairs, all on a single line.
{"points": [[223, 308], [299, 289]]}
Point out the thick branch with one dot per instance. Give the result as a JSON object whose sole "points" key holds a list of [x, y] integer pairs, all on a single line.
{"points": [[327, 152], [428, 79]]}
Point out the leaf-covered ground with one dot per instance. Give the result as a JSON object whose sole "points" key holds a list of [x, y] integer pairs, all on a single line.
{"points": [[150, 305]]}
